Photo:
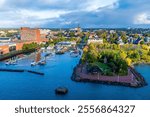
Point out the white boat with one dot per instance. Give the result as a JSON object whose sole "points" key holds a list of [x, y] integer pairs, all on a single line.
{"points": [[74, 53], [33, 63], [42, 62], [7, 63], [14, 62]]}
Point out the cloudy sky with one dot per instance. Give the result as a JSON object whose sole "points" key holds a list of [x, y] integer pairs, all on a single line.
{"points": [[70, 13]]}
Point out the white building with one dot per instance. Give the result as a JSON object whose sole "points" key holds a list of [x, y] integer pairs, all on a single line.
{"points": [[100, 41], [45, 31], [5, 39]]}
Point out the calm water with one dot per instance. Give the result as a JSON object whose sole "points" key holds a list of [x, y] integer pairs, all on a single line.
{"points": [[57, 73]]}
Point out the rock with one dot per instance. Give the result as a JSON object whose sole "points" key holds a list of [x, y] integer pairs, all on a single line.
{"points": [[61, 90]]}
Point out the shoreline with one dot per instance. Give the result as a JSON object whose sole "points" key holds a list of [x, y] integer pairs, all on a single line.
{"points": [[15, 53], [138, 81]]}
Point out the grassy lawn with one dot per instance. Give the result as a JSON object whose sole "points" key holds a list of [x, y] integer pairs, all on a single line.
{"points": [[103, 67]]}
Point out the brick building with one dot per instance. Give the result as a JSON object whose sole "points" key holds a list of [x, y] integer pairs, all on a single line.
{"points": [[28, 36]]}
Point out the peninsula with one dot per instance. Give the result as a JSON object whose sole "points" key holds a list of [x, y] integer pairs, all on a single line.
{"points": [[112, 64]]}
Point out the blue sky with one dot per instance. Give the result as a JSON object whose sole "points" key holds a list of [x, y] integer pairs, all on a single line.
{"points": [[70, 13]]}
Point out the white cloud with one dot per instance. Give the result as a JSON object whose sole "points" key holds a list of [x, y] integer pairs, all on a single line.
{"points": [[19, 23], [66, 23], [143, 18], [2, 2], [15, 13], [45, 14], [52, 2], [24, 17], [93, 5]]}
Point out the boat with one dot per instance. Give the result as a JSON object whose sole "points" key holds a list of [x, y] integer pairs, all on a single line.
{"points": [[74, 53], [14, 62], [42, 62], [7, 63], [59, 53], [47, 54], [33, 63]]}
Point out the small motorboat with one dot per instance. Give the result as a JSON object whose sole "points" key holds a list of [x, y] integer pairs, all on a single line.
{"points": [[33, 63], [7, 63], [11, 62], [42, 62]]}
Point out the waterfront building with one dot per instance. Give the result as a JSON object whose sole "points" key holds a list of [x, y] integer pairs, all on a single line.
{"points": [[28, 34], [7, 47]]}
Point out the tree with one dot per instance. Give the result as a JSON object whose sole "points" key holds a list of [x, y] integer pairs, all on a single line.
{"points": [[124, 37], [128, 61], [123, 55]]}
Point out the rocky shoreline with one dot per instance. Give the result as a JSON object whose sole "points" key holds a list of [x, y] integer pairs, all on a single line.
{"points": [[140, 81]]}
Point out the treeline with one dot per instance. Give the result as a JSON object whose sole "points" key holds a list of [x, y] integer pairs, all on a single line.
{"points": [[116, 57], [30, 46]]}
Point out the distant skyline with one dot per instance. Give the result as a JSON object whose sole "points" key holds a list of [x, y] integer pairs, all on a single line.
{"points": [[69, 13]]}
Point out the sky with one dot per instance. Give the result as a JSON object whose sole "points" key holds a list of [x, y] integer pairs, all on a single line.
{"points": [[71, 13]]}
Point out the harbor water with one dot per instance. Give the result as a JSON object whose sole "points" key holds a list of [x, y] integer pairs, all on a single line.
{"points": [[58, 71]]}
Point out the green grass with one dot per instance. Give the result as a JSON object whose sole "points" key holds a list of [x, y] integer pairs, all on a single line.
{"points": [[103, 67]]}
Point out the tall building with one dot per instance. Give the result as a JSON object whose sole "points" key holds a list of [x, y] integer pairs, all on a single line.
{"points": [[28, 34]]}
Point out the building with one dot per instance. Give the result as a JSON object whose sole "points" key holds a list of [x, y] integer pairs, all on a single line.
{"points": [[13, 31], [100, 41], [5, 39], [7, 47], [2, 33], [147, 39], [77, 30], [28, 34]]}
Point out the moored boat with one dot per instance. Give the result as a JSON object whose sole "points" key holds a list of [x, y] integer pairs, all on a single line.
{"points": [[42, 62], [33, 63], [74, 53], [13, 62]]}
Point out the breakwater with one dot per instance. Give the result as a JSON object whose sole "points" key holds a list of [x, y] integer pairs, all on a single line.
{"points": [[21, 70], [134, 80], [140, 79]]}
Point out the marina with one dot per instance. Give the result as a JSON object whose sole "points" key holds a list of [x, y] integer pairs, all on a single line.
{"points": [[57, 72]]}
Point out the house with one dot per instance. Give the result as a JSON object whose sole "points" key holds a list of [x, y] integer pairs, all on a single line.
{"points": [[2, 33], [120, 41], [137, 41], [99, 40], [147, 39], [65, 44]]}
